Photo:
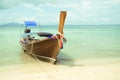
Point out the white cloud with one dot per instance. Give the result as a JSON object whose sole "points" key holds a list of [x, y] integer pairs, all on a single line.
{"points": [[79, 11], [12, 3], [112, 2], [8, 3], [33, 7]]}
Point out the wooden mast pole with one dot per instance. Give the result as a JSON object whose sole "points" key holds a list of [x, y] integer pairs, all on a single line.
{"points": [[61, 21]]}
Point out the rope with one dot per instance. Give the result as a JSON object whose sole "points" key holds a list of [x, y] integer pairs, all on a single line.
{"points": [[32, 46], [45, 57], [42, 66], [35, 56], [60, 40], [51, 76], [39, 55]]}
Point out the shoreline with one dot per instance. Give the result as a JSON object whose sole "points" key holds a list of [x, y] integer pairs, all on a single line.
{"points": [[47, 71]]}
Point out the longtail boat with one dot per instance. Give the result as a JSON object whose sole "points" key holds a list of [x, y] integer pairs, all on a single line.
{"points": [[47, 47]]}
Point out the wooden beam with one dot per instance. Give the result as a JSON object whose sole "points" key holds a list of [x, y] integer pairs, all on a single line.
{"points": [[61, 21]]}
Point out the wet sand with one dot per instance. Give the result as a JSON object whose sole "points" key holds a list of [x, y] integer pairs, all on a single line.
{"points": [[47, 71]]}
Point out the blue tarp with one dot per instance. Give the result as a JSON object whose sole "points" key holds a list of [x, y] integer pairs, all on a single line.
{"points": [[30, 23]]}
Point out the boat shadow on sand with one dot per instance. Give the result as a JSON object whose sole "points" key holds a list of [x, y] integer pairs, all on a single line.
{"points": [[62, 59]]}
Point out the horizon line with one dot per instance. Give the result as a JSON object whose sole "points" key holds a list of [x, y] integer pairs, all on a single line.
{"points": [[19, 24]]}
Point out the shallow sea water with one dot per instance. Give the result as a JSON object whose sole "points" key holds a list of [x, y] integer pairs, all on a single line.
{"points": [[85, 45]]}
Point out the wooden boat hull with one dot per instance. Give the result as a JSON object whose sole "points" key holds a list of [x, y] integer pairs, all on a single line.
{"points": [[47, 48]]}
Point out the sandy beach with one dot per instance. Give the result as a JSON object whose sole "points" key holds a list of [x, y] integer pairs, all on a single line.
{"points": [[47, 71]]}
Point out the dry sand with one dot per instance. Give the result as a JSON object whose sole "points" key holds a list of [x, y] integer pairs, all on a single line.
{"points": [[47, 71]]}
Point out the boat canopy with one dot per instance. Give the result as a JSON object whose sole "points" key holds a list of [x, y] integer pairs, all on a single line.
{"points": [[30, 23]]}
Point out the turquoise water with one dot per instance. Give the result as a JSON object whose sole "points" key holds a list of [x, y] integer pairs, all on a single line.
{"points": [[83, 43]]}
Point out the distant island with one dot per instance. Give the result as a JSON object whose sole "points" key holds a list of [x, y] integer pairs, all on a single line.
{"points": [[12, 24]]}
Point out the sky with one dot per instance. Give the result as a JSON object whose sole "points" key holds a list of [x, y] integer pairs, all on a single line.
{"points": [[46, 12]]}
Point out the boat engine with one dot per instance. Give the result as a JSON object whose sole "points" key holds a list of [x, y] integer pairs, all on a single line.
{"points": [[27, 31]]}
